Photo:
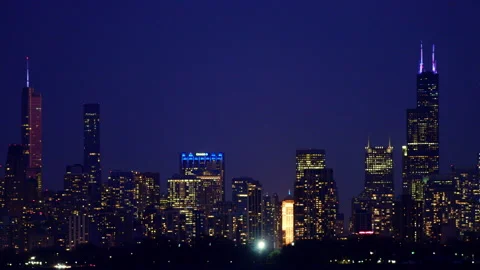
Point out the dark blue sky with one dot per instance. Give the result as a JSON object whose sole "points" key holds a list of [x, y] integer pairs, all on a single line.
{"points": [[255, 79]]}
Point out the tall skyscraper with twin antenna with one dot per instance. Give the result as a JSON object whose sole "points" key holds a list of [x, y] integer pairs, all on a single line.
{"points": [[31, 131], [421, 154]]}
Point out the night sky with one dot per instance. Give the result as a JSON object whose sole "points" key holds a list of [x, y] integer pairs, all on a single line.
{"points": [[254, 79]]}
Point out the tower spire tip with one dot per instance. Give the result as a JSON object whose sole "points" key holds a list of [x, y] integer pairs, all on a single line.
{"points": [[421, 57], [28, 72]]}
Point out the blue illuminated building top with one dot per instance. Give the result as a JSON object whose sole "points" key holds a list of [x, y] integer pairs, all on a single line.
{"points": [[202, 156]]}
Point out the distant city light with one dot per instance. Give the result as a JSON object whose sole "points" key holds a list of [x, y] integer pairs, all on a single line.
{"points": [[62, 266]]}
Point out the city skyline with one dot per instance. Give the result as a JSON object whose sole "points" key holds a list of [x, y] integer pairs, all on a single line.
{"points": [[91, 112], [154, 134], [347, 161], [92, 149]]}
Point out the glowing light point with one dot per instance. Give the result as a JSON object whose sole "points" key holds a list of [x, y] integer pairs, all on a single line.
{"points": [[261, 245], [434, 64]]}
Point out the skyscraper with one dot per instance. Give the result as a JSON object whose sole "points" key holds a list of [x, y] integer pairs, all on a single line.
{"points": [[183, 194], [247, 194], [420, 159], [254, 211], [466, 198], [15, 180], [78, 231], [287, 220], [421, 154], [320, 204], [31, 131], [147, 190], [439, 210], [75, 188], [478, 161], [122, 188], [210, 168], [340, 225], [271, 220], [379, 186], [2, 190], [305, 159], [91, 149], [361, 219]]}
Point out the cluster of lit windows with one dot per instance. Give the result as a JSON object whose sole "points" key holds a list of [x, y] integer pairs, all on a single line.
{"points": [[318, 211], [183, 193], [209, 167]]}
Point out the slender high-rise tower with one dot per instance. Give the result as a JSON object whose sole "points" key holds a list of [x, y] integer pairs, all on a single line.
{"points": [[31, 131], [91, 149], [421, 154]]}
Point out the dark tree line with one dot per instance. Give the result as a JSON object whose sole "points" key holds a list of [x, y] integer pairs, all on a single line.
{"points": [[210, 252]]}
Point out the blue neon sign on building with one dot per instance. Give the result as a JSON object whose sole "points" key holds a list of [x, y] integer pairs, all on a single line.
{"points": [[201, 156]]}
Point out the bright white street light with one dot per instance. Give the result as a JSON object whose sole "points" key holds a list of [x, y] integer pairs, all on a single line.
{"points": [[261, 245]]}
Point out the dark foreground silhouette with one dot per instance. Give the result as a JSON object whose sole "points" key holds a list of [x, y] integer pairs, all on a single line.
{"points": [[210, 252]]}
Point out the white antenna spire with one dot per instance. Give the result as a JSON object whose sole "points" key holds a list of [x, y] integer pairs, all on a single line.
{"points": [[28, 73]]}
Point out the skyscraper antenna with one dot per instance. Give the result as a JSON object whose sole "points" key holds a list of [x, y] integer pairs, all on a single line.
{"points": [[368, 141], [289, 193], [434, 64], [28, 73], [421, 57], [389, 142]]}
